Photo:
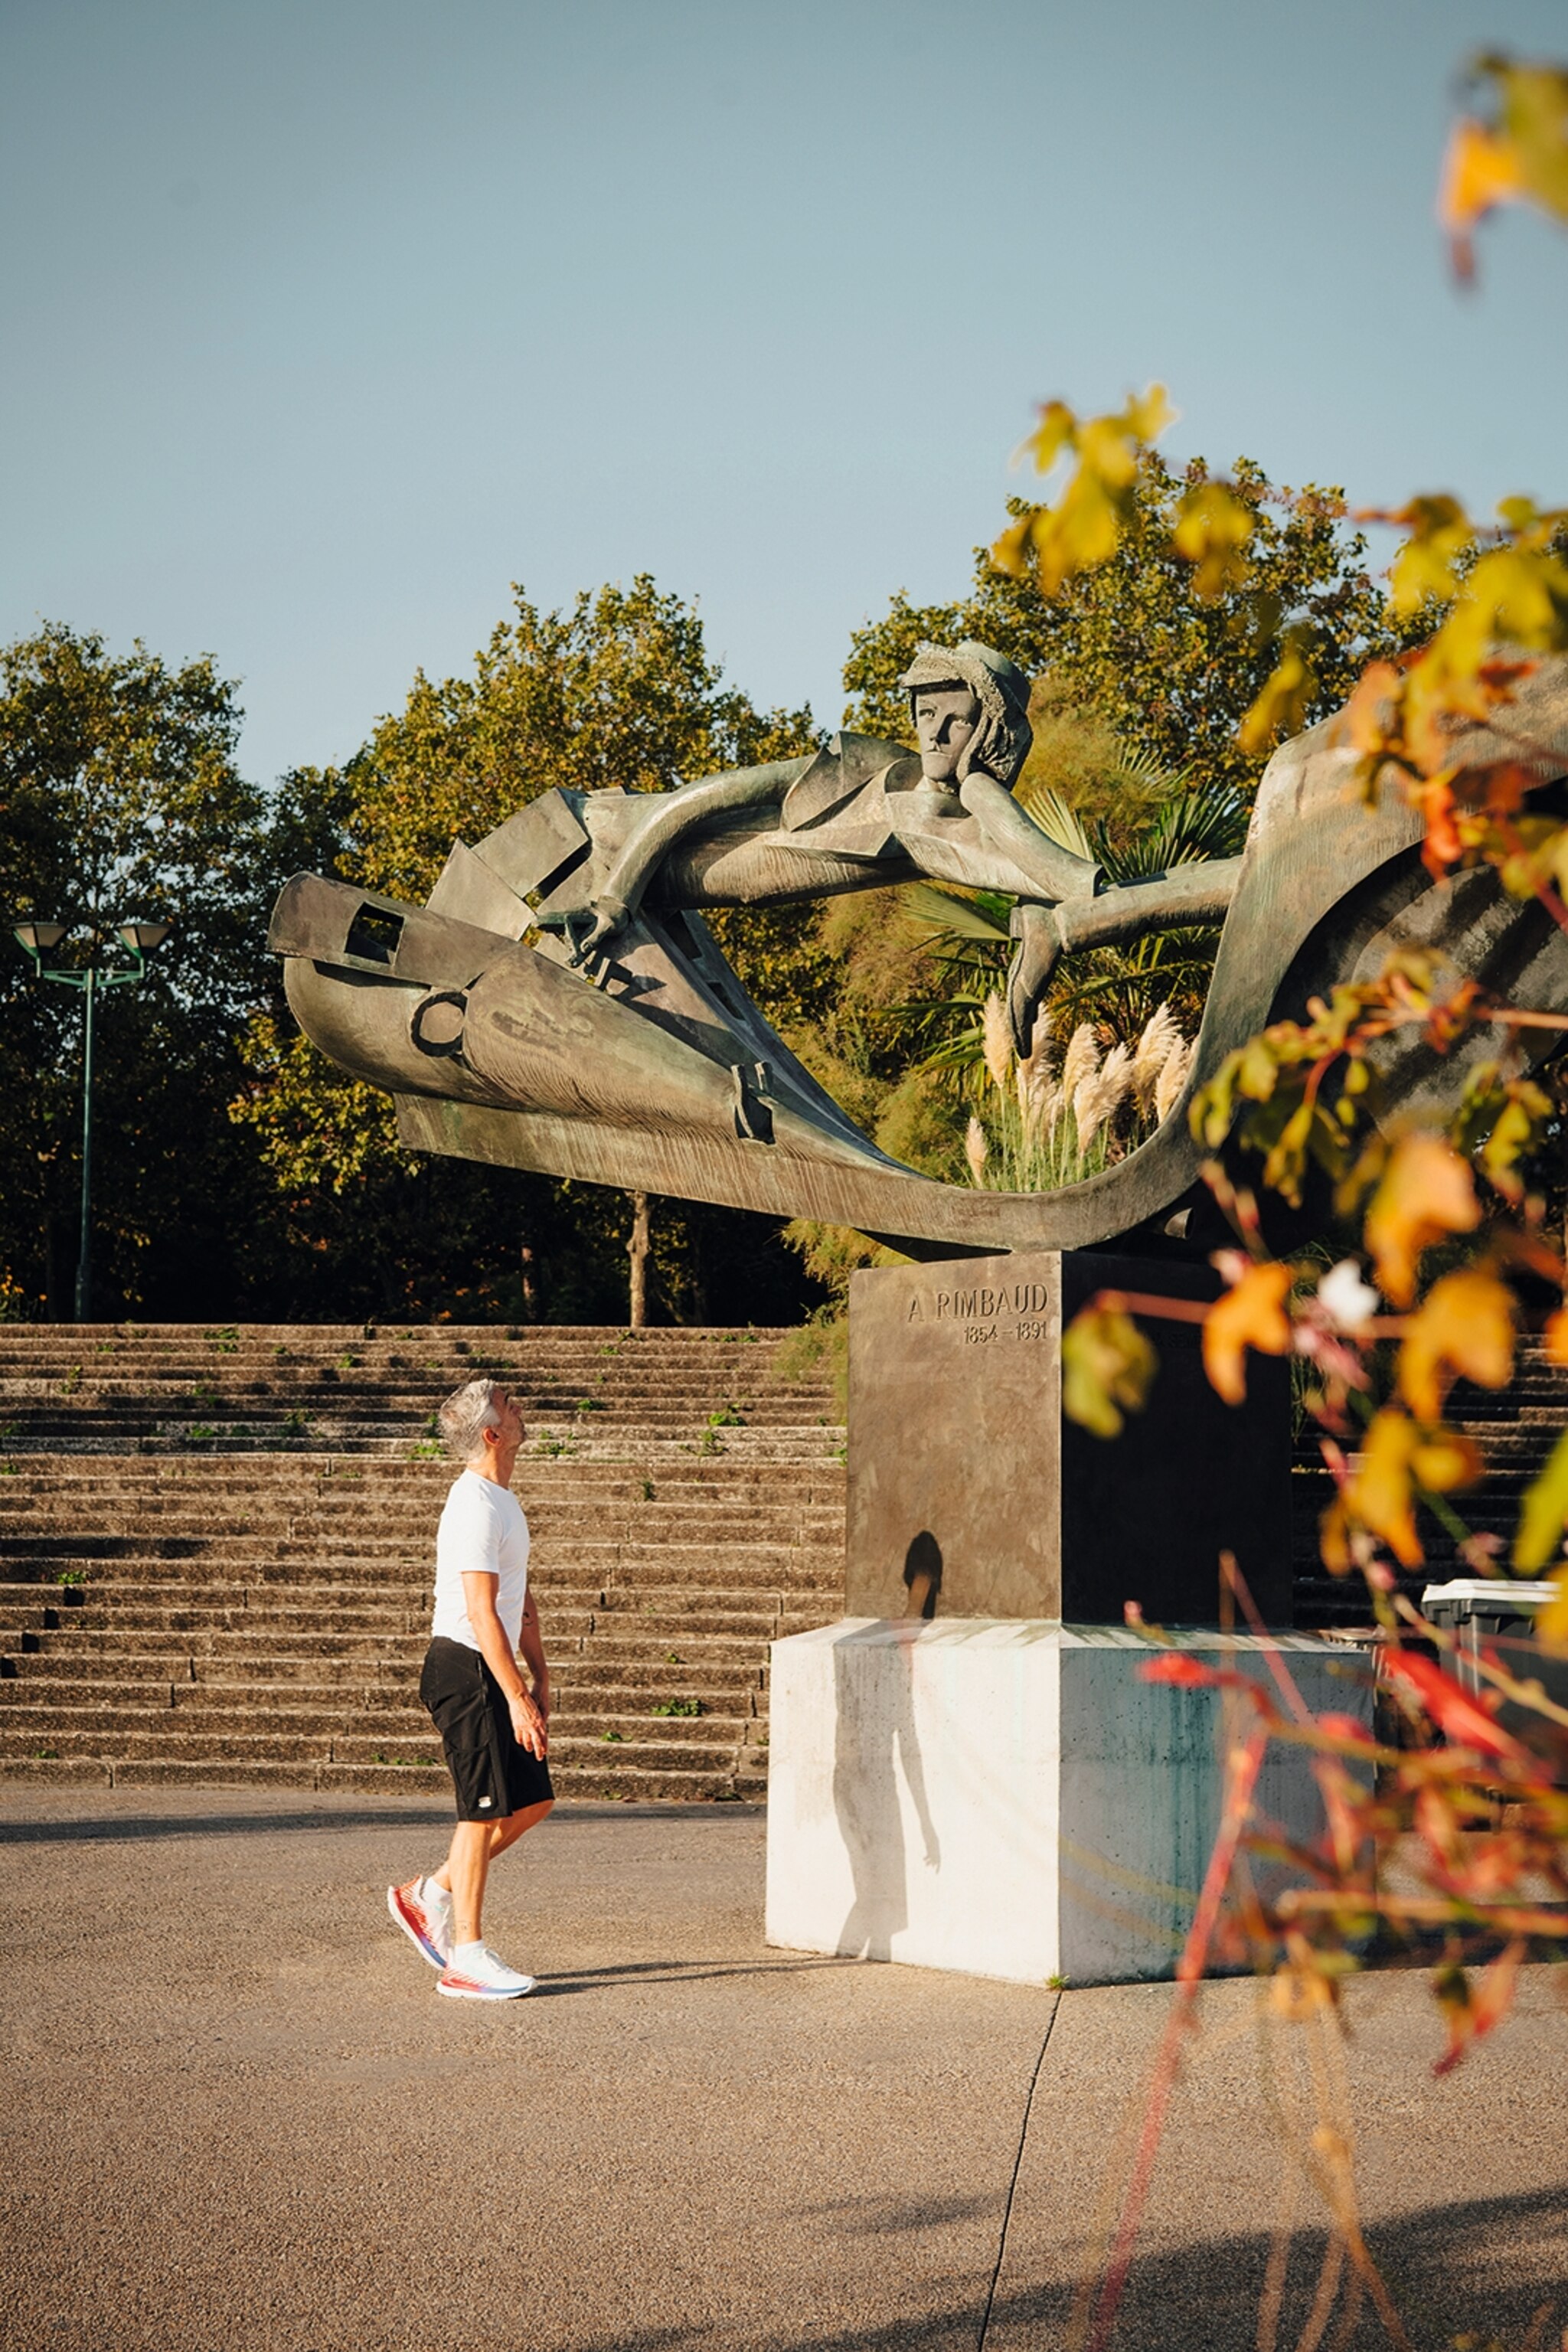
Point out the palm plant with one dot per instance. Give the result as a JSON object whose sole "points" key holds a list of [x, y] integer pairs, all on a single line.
{"points": [[1116, 989]]}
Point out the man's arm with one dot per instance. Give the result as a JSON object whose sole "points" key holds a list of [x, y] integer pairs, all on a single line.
{"points": [[533, 1648], [480, 1589]]}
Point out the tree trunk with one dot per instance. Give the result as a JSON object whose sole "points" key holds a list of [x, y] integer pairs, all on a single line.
{"points": [[637, 1250], [531, 1306]]}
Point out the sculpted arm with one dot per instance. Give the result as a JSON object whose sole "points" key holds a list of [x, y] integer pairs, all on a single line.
{"points": [[671, 819]]}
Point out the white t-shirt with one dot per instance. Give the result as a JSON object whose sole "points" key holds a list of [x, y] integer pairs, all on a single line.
{"points": [[482, 1530]]}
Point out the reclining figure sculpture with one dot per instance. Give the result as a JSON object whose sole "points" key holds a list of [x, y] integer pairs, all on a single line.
{"points": [[559, 1004]]}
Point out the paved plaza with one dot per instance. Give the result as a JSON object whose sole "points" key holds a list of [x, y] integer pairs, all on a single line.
{"points": [[236, 2116]]}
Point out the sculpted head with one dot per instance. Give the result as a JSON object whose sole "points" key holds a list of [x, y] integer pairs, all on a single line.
{"points": [[971, 711]]}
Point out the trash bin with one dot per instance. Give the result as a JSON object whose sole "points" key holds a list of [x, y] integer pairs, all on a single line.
{"points": [[1498, 1614]]}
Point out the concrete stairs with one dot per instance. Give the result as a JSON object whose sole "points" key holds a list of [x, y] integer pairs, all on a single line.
{"points": [[215, 1549]]}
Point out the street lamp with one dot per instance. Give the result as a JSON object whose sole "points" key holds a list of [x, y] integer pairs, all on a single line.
{"points": [[39, 939]]}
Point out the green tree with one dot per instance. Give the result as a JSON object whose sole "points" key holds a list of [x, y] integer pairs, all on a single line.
{"points": [[617, 689], [121, 797]]}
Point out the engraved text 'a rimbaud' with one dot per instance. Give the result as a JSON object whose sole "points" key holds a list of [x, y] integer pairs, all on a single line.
{"points": [[981, 1305]]}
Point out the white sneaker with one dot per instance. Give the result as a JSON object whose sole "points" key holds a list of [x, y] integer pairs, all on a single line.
{"points": [[474, 1973], [424, 1912]]}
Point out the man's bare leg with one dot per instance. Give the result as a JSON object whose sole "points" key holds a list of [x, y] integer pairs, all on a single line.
{"points": [[475, 1845]]}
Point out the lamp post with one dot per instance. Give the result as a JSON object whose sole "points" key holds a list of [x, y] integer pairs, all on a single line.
{"points": [[40, 940]]}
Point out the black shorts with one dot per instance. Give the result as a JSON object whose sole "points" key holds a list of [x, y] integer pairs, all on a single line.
{"points": [[492, 1775]]}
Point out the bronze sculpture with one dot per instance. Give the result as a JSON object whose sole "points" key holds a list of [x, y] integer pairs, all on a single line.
{"points": [[559, 1004]]}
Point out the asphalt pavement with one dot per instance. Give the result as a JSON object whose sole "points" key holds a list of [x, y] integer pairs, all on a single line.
{"points": [[236, 2115]]}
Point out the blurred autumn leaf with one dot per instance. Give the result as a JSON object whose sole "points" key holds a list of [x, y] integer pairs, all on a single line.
{"points": [[1251, 1314], [1426, 1193], [1515, 151], [1107, 1368]]}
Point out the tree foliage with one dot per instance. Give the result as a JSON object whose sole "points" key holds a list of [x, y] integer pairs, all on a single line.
{"points": [[1134, 644], [122, 798], [619, 689]]}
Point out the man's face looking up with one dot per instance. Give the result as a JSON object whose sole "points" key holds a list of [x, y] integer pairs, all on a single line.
{"points": [[945, 720], [506, 1421]]}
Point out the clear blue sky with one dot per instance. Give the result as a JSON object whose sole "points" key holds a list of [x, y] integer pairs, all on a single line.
{"points": [[328, 319]]}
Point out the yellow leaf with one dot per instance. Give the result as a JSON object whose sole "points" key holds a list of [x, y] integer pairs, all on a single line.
{"points": [[1465, 1325], [1535, 116], [1011, 553], [1083, 528], [1281, 707], [1443, 1460], [1426, 1191], [1440, 531], [1079, 533], [1212, 529], [1381, 1494], [1107, 1364], [1556, 1336], [1543, 1513], [1552, 1623], [1334, 1539], [1149, 414], [1521, 595], [1055, 432], [1250, 1315], [1108, 450]]}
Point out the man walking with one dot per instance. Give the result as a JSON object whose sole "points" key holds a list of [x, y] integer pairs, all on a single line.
{"points": [[492, 1726]]}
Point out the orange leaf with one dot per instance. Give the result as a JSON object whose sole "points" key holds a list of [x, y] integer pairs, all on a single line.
{"points": [[1252, 1314], [1556, 1336], [1465, 1325], [1364, 720], [1426, 1193], [1480, 171]]}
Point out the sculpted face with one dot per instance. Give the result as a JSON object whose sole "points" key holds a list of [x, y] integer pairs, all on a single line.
{"points": [[945, 719]]}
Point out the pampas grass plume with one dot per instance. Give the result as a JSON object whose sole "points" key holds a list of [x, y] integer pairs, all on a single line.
{"points": [[1173, 1077], [1160, 1040], [975, 1151], [1081, 1059], [997, 1044]]}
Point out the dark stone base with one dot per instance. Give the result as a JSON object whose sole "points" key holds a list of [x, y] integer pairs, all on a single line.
{"points": [[970, 1495]]}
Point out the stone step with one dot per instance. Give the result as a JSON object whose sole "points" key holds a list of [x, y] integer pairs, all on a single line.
{"points": [[215, 1480], [148, 1746], [783, 1516], [66, 1562], [251, 1607], [667, 1785]]}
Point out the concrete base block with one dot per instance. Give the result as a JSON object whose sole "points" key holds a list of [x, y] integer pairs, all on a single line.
{"points": [[1008, 1798]]}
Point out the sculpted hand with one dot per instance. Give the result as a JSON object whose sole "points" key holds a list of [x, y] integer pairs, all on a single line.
{"points": [[1040, 939], [528, 1726]]}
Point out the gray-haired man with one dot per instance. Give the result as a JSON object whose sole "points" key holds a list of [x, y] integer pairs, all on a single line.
{"points": [[492, 1726]]}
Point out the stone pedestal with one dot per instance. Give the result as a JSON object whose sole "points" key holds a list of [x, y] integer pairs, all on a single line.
{"points": [[972, 1495], [1010, 1799]]}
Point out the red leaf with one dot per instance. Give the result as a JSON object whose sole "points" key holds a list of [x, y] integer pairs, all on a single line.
{"points": [[1176, 1666], [1465, 1721]]}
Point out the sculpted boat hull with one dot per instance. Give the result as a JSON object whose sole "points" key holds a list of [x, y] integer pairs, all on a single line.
{"points": [[649, 1069]]}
